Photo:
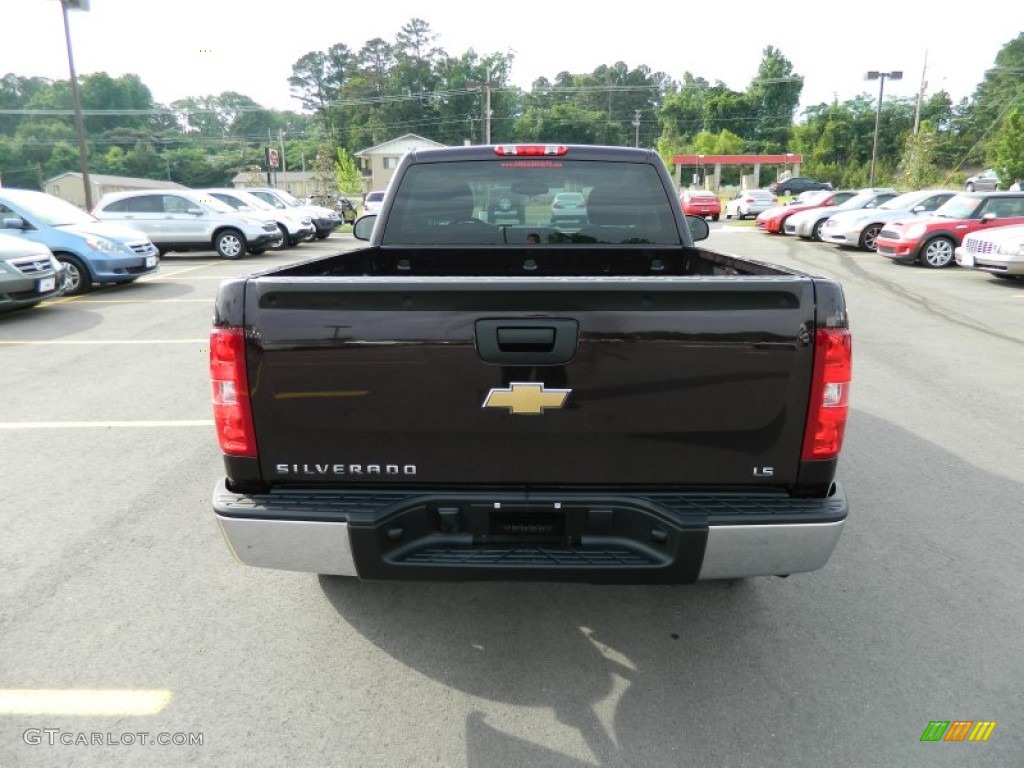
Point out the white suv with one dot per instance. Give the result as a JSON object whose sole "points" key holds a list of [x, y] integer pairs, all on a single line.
{"points": [[373, 202], [188, 220], [324, 219], [295, 226]]}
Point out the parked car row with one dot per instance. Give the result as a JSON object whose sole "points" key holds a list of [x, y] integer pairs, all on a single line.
{"points": [[774, 219], [934, 227], [127, 233], [91, 251], [231, 221]]}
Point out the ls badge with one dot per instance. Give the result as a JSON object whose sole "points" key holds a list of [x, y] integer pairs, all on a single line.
{"points": [[526, 398]]}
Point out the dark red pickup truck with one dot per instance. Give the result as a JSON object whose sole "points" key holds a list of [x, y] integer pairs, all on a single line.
{"points": [[597, 400]]}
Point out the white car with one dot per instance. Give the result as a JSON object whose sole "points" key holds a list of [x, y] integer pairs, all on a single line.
{"points": [[998, 251], [750, 202], [324, 220], [373, 202], [186, 220], [295, 226], [809, 224], [860, 228]]}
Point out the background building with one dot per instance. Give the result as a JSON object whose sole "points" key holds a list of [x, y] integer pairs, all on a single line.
{"points": [[68, 186]]}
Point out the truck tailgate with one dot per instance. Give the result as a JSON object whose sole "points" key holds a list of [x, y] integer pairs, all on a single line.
{"points": [[544, 382]]}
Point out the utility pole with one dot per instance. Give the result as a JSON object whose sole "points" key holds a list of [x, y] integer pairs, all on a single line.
{"points": [[284, 163], [76, 97], [920, 95], [487, 110], [880, 77], [636, 124], [486, 85], [271, 172]]}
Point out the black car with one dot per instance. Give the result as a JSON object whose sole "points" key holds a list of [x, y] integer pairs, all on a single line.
{"points": [[797, 184]]}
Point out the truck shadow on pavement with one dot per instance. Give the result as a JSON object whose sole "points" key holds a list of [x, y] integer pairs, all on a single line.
{"points": [[579, 651], [764, 671]]}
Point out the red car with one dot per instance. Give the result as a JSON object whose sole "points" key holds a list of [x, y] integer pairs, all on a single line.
{"points": [[774, 219], [933, 239], [697, 202]]}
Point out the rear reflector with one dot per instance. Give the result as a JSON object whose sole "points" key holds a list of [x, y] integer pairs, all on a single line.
{"points": [[232, 413], [530, 150], [830, 391]]}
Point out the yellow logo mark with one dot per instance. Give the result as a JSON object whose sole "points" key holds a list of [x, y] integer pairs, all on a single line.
{"points": [[526, 398], [982, 730]]}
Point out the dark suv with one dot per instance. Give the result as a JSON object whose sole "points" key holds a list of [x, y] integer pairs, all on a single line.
{"points": [[797, 184]]}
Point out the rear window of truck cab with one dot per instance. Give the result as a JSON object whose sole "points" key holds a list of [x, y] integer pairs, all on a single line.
{"points": [[449, 204]]}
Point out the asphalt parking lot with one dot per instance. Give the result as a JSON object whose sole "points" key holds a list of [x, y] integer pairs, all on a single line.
{"points": [[122, 613]]}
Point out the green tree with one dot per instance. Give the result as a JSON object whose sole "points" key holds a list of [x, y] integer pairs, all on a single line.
{"points": [[16, 170], [682, 111], [126, 97], [917, 168], [1009, 147], [325, 182], [346, 172], [1000, 92], [63, 158], [775, 95], [16, 92], [113, 162], [142, 161]]}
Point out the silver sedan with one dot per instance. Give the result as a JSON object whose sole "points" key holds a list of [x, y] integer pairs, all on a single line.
{"points": [[982, 182], [750, 202], [808, 224]]}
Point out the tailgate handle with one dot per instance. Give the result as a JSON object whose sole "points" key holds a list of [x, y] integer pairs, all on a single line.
{"points": [[527, 341]]}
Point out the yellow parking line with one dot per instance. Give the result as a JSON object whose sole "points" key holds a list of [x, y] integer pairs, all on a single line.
{"points": [[148, 279], [114, 702], [73, 342], [62, 300], [104, 424]]}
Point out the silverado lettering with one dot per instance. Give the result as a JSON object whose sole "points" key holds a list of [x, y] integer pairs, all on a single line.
{"points": [[582, 393], [343, 469]]}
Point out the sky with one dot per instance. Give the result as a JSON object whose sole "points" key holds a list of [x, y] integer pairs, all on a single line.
{"points": [[205, 47]]}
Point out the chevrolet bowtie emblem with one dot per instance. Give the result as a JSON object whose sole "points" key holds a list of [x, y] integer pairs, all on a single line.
{"points": [[526, 398]]}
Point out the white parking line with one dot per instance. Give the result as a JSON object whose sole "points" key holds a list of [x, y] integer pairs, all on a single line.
{"points": [[147, 301], [104, 424], [83, 702], [74, 342], [162, 275]]}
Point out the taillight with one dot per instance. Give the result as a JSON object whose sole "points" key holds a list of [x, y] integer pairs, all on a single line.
{"points": [[232, 413], [830, 392], [530, 150]]}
